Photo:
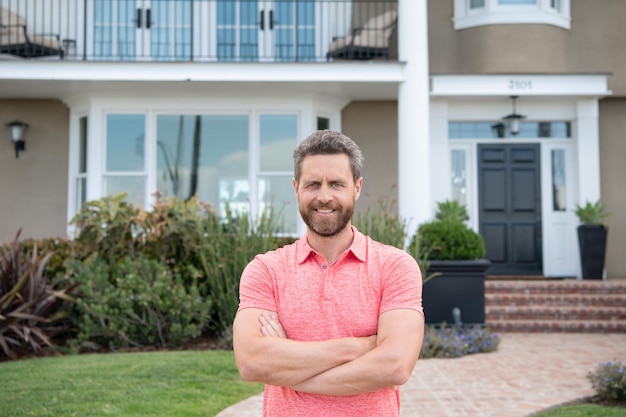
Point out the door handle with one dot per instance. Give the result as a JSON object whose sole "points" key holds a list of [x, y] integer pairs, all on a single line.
{"points": [[148, 18], [262, 21], [139, 14], [271, 19]]}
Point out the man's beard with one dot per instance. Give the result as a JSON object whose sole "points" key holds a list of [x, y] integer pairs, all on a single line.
{"points": [[327, 227]]}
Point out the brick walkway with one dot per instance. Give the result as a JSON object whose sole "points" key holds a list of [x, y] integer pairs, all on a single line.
{"points": [[529, 372]]}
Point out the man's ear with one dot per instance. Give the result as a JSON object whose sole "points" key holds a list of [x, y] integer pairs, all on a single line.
{"points": [[295, 185], [357, 188]]}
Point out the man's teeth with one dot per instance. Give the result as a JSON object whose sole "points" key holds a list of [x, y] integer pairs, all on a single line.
{"points": [[324, 211]]}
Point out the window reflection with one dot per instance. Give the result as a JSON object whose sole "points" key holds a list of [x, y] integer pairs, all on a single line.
{"points": [[205, 156], [133, 185], [125, 142], [458, 177], [559, 197], [279, 136], [277, 194]]}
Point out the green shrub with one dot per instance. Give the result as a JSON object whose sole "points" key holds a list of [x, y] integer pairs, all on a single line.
{"points": [[452, 210], [380, 222], [451, 240], [107, 228], [609, 381], [226, 249], [32, 308], [59, 250], [136, 302], [457, 341], [205, 252]]}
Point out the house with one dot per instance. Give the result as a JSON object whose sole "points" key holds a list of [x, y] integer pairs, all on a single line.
{"points": [[514, 107]]}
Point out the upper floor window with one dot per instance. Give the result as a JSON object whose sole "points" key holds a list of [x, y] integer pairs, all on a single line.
{"points": [[470, 13]]}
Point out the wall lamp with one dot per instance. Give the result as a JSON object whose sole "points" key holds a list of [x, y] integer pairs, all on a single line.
{"points": [[514, 119], [17, 136]]}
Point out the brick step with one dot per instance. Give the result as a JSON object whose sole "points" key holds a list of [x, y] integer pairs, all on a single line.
{"points": [[556, 287], [543, 312], [556, 326], [543, 299]]}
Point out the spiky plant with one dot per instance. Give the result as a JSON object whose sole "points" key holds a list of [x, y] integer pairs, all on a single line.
{"points": [[31, 309]]}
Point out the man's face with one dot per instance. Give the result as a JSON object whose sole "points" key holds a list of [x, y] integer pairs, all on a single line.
{"points": [[326, 193]]}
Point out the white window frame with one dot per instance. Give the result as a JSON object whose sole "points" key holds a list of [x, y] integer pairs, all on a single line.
{"points": [[495, 14]]}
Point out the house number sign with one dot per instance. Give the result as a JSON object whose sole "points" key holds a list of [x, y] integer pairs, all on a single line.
{"points": [[520, 85]]}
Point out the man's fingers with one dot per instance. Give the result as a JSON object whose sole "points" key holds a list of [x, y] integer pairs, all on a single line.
{"points": [[270, 326]]}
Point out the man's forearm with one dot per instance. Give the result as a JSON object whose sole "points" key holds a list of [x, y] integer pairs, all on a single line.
{"points": [[285, 362], [368, 373], [280, 361]]}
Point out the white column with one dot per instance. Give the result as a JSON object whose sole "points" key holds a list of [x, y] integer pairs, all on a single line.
{"points": [[414, 196], [588, 155], [96, 140]]}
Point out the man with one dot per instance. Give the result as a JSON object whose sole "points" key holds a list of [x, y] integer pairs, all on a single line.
{"points": [[332, 323]]}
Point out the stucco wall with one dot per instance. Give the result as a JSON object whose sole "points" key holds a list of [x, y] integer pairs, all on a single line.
{"points": [[373, 125], [612, 154], [594, 44], [34, 187]]}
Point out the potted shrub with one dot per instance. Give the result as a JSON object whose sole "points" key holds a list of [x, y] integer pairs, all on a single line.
{"points": [[592, 235], [456, 254]]}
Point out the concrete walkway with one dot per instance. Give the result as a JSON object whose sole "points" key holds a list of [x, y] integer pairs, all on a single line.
{"points": [[530, 372]]}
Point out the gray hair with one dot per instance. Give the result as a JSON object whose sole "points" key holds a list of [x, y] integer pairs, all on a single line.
{"points": [[328, 142]]}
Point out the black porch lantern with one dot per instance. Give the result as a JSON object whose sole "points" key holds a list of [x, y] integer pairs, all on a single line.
{"points": [[514, 119]]}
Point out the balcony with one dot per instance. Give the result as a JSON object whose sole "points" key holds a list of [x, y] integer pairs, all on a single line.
{"points": [[198, 30]]}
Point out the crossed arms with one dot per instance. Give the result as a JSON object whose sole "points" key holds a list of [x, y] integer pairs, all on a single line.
{"points": [[339, 367]]}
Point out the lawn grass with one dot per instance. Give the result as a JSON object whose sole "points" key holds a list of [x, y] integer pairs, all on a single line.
{"points": [[585, 410], [167, 384]]}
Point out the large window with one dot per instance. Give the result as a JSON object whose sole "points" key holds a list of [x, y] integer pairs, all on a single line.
{"points": [[220, 158], [471, 13], [203, 156]]}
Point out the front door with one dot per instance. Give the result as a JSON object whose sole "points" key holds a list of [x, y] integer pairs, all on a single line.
{"points": [[510, 207]]}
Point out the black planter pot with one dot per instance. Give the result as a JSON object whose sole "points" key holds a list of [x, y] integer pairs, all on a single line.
{"points": [[592, 245], [461, 286]]}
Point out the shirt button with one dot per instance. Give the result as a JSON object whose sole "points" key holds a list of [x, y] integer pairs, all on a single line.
{"points": [[323, 266]]}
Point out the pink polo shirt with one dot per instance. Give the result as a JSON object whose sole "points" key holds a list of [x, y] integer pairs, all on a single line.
{"points": [[316, 301]]}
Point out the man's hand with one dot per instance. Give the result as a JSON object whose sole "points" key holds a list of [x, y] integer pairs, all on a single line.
{"points": [[270, 326]]}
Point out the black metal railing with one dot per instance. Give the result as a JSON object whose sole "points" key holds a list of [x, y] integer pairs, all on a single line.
{"points": [[199, 30]]}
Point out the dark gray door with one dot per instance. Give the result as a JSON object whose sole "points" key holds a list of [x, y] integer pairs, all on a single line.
{"points": [[509, 186]]}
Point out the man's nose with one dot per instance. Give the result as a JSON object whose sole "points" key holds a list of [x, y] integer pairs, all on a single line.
{"points": [[325, 195]]}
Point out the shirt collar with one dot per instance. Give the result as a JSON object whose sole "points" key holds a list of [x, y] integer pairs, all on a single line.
{"points": [[358, 247]]}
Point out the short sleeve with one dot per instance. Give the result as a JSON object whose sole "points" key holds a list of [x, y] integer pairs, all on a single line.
{"points": [[256, 288], [402, 284]]}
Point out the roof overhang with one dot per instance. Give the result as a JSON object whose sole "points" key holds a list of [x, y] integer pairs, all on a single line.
{"points": [[376, 80]]}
